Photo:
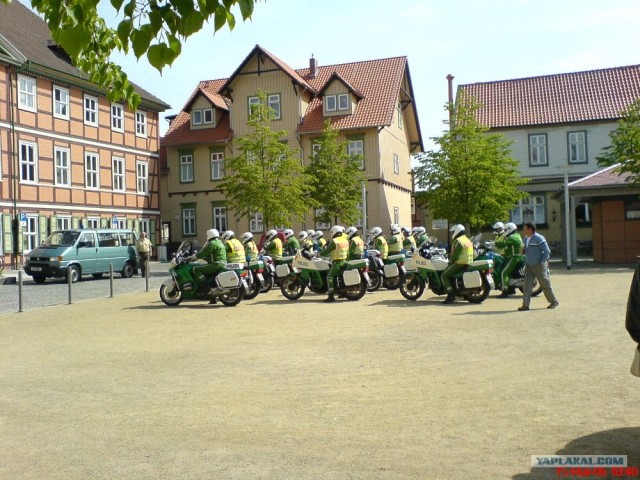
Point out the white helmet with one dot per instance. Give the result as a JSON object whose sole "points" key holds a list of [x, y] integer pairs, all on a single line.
{"points": [[336, 230], [375, 232], [395, 228], [271, 234], [456, 231], [351, 232], [498, 228], [228, 235], [311, 233], [245, 237], [288, 233], [510, 228], [405, 231], [303, 235], [318, 235], [212, 233], [420, 231]]}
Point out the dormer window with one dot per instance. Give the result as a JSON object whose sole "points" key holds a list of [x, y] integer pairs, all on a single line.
{"points": [[339, 102], [202, 116]]}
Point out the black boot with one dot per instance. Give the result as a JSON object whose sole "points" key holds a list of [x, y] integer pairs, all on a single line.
{"points": [[330, 298], [450, 298]]}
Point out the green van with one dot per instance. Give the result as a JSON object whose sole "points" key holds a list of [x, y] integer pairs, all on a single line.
{"points": [[83, 252]]}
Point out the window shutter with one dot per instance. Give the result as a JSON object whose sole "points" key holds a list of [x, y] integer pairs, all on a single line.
{"points": [[7, 240], [152, 232], [53, 223], [129, 224], [136, 225], [42, 230], [104, 223], [75, 222]]}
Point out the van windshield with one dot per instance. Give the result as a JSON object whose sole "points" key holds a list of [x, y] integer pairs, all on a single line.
{"points": [[61, 239]]}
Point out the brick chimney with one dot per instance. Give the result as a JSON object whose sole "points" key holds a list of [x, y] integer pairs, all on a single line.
{"points": [[313, 67]]}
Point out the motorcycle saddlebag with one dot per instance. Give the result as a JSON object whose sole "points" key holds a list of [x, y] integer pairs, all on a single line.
{"points": [[282, 271], [351, 277], [228, 280], [391, 270], [472, 279]]}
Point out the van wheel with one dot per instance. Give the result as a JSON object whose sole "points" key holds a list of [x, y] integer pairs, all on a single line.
{"points": [[127, 270], [39, 278], [74, 271]]}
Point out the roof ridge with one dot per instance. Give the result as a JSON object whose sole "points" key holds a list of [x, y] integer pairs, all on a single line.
{"points": [[360, 61], [534, 77]]}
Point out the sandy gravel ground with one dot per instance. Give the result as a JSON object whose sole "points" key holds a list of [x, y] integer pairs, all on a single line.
{"points": [[384, 388]]}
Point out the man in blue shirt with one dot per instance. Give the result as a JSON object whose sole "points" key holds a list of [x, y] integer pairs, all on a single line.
{"points": [[537, 252]]}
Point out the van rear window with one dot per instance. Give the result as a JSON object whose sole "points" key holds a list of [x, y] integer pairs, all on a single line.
{"points": [[127, 238], [108, 239]]}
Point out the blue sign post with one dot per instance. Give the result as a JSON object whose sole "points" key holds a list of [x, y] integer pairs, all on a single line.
{"points": [[114, 221]]}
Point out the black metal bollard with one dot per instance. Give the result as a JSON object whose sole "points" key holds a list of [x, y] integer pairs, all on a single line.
{"points": [[19, 291], [69, 282], [146, 275]]}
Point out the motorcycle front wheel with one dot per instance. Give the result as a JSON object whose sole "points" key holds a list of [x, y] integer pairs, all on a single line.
{"points": [[392, 283], [355, 292], [254, 290], [268, 283], [233, 298], [375, 281], [481, 296], [411, 287], [292, 287], [171, 296]]}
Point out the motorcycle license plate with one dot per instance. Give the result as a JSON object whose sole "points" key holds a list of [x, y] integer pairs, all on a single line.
{"points": [[260, 277]]}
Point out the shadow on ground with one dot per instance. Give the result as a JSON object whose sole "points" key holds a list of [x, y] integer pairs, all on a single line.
{"points": [[619, 441]]}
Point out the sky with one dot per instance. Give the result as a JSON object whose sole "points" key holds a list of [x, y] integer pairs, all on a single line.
{"points": [[473, 40]]}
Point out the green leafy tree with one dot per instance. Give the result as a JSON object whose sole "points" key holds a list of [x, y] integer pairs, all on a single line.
{"points": [[470, 178], [155, 28], [625, 144], [336, 178], [267, 176]]}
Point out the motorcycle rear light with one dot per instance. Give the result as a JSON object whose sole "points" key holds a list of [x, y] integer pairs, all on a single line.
{"points": [[490, 271], [260, 270], [365, 269], [244, 273]]}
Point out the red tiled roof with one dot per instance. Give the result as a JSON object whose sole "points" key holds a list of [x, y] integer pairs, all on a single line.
{"points": [[554, 99], [608, 177], [181, 133], [378, 81]]}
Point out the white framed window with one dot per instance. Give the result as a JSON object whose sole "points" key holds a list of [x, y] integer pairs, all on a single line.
{"points": [[93, 222], [583, 214], [91, 170], [207, 116], [217, 165], [141, 124], [356, 148], [253, 101], [577, 145], [90, 110], [117, 117], [396, 164], [274, 103], [188, 221], [530, 209], [60, 102], [186, 168], [63, 222], [117, 169], [144, 226], [63, 166], [538, 150], [30, 233], [196, 117], [399, 110], [142, 177], [27, 93], [315, 148], [28, 162], [256, 223], [220, 218], [120, 223], [343, 101], [360, 222], [396, 215], [330, 103], [321, 225]]}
